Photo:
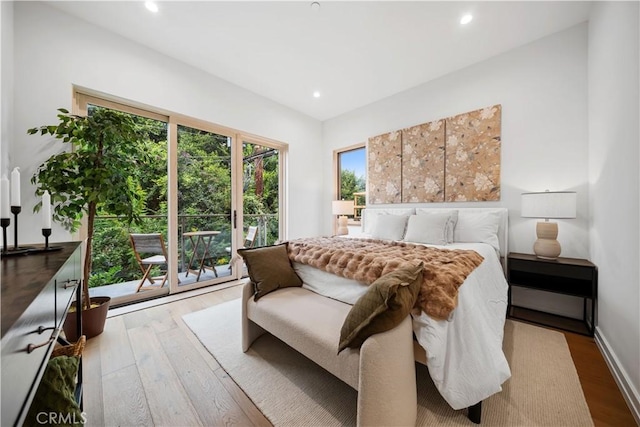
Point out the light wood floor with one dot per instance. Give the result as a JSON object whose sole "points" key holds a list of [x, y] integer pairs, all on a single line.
{"points": [[147, 368]]}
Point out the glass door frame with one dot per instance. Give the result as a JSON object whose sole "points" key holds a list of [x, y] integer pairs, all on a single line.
{"points": [[173, 208], [236, 214], [83, 96], [283, 153], [81, 100]]}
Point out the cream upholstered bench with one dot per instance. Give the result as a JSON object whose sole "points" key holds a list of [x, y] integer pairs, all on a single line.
{"points": [[382, 370]]}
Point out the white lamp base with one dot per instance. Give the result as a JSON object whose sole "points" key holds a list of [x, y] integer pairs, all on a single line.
{"points": [[342, 226], [547, 247]]}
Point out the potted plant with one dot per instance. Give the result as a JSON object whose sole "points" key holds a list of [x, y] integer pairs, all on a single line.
{"points": [[99, 173]]}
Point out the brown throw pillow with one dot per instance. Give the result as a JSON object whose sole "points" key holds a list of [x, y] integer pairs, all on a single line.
{"points": [[385, 304], [269, 269]]}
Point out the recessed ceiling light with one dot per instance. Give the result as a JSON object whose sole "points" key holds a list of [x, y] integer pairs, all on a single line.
{"points": [[152, 6], [316, 94], [315, 6], [466, 19]]}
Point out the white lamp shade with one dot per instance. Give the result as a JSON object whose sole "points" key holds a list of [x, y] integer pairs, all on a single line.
{"points": [[549, 204], [342, 207]]}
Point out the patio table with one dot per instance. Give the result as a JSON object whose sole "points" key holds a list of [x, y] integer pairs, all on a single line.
{"points": [[200, 239]]}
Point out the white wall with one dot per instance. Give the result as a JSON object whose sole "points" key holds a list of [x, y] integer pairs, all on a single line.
{"points": [[54, 51], [6, 83], [542, 87], [614, 158]]}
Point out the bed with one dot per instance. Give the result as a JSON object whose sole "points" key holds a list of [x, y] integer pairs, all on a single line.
{"points": [[463, 353]]}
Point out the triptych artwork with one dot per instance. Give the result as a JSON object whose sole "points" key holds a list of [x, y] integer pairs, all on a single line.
{"points": [[448, 160]]}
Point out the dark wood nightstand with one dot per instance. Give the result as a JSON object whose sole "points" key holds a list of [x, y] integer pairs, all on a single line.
{"points": [[568, 276]]}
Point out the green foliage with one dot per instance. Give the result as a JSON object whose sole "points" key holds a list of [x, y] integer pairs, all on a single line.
{"points": [[101, 173], [204, 195], [104, 167], [102, 278], [260, 203], [204, 172], [350, 184], [112, 249]]}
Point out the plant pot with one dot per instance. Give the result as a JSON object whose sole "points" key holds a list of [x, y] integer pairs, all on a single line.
{"points": [[93, 319]]}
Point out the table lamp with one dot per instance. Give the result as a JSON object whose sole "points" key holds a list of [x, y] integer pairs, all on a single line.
{"points": [[342, 208], [548, 204]]}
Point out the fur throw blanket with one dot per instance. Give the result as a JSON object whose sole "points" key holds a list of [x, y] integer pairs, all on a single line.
{"points": [[365, 260]]}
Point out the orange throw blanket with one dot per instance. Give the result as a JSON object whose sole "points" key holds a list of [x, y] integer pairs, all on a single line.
{"points": [[365, 260]]}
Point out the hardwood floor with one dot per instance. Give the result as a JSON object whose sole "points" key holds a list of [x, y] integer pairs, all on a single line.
{"points": [[607, 406], [147, 368]]}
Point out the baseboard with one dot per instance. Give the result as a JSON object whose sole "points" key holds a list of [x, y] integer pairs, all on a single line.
{"points": [[630, 394]]}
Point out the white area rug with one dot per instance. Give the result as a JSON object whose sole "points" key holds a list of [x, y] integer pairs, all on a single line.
{"points": [[291, 390]]}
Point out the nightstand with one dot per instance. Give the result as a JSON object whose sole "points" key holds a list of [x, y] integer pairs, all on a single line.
{"points": [[568, 276]]}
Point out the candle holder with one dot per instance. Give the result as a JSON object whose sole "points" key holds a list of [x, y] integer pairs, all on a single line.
{"points": [[46, 232], [16, 250], [4, 222], [15, 210]]}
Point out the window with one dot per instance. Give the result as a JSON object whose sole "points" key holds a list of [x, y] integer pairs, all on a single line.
{"points": [[351, 176], [208, 185]]}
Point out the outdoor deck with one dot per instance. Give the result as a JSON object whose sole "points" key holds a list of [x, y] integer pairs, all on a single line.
{"points": [[117, 290]]}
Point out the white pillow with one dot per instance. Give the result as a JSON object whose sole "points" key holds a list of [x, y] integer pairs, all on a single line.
{"points": [[389, 227], [475, 227], [451, 225], [430, 227], [369, 216]]}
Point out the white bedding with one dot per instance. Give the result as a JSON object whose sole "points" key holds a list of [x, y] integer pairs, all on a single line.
{"points": [[464, 354]]}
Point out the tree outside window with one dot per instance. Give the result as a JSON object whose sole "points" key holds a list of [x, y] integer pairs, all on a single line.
{"points": [[352, 177]]}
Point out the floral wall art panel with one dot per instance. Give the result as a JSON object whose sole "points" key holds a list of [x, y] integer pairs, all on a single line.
{"points": [[384, 171], [423, 156], [472, 166]]}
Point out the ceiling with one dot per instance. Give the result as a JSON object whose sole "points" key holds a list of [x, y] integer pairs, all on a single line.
{"points": [[353, 53]]}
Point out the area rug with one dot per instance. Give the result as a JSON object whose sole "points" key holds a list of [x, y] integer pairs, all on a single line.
{"points": [[291, 390]]}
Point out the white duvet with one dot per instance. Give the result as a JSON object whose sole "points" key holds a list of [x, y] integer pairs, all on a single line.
{"points": [[464, 354]]}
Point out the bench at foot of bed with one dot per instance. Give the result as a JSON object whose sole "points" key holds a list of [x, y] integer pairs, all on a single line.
{"points": [[382, 370]]}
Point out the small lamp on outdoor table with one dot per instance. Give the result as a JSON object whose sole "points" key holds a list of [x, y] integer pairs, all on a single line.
{"points": [[548, 204], [342, 208]]}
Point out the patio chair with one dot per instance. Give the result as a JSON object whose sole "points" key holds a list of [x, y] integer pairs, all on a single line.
{"points": [[249, 241], [250, 238], [153, 245]]}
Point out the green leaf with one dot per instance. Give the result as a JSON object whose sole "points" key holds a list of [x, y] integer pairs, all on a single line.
{"points": [[109, 149]]}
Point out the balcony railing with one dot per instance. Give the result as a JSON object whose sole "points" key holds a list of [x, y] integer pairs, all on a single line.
{"points": [[114, 262]]}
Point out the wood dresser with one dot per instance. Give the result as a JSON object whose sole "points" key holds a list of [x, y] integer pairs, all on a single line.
{"points": [[37, 290]]}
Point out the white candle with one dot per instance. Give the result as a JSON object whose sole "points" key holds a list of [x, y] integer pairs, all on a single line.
{"points": [[4, 194], [46, 210], [15, 187]]}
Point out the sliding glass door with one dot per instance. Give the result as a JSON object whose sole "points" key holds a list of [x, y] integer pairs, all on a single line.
{"points": [[115, 269], [204, 231], [209, 191], [261, 191]]}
